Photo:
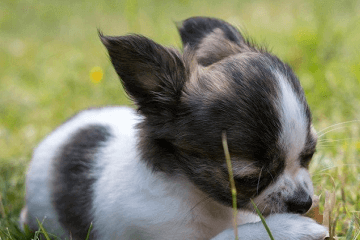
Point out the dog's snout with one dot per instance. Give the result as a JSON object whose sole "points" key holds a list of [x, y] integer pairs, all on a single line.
{"points": [[300, 202]]}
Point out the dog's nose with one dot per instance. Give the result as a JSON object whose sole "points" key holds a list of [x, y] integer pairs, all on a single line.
{"points": [[300, 202]]}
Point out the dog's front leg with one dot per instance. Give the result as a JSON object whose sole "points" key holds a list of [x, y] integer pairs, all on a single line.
{"points": [[282, 227]]}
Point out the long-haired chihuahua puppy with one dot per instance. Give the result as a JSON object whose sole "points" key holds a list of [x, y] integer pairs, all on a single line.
{"points": [[159, 172]]}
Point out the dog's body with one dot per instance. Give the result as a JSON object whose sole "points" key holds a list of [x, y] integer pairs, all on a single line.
{"points": [[161, 173], [152, 205]]}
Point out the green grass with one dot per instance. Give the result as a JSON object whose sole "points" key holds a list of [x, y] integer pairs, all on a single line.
{"points": [[48, 48], [232, 183]]}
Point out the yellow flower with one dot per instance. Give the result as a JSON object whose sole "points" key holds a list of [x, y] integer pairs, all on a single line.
{"points": [[96, 74]]}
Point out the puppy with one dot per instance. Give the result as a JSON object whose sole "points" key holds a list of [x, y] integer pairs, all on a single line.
{"points": [[159, 172]]}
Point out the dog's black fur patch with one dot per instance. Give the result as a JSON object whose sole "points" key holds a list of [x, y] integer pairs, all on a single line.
{"points": [[74, 177]]}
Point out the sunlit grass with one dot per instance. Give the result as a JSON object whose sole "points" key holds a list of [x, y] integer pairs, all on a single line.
{"points": [[48, 49]]}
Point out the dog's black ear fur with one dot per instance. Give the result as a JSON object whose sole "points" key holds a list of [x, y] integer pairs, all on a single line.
{"points": [[193, 30], [150, 73], [211, 39]]}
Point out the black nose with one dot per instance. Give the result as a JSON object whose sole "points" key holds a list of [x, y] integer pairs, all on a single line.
{"points": [[299, 203]]}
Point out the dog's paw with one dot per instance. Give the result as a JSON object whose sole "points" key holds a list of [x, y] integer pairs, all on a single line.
{"points": [[297, 227], [282, 227]]}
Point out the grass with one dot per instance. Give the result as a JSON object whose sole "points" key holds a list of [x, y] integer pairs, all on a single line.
{"points": [[48, 49], [262, 220], [232, 183]]}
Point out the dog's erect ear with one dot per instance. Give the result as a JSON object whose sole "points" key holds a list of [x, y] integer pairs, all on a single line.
{"points": [[151, 74], [211, 39], [194, 30]]}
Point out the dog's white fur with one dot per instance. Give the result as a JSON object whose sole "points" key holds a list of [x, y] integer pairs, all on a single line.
{"points": [[145, 205], [293, 124]]}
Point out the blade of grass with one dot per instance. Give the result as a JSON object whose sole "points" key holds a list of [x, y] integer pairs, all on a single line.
{"points": [[232, 182], [2, 209], [88, 233], [36, 235], [262, 220], [9, 234], [357, 235], [350, 230], [328, 212], [6, 234], [43, 230]]}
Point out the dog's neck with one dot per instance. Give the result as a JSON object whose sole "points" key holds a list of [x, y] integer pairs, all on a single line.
{"points": [[158, 153]]}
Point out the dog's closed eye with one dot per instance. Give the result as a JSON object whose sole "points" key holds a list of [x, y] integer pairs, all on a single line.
{"points": [[305, 159], [245, 169]]}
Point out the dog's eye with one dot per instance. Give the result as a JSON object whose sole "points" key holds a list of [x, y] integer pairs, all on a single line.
{"points": [[305, 159], [247, 181]]}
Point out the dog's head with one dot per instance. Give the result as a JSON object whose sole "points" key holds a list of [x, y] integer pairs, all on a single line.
{"points": [[221, 82]]}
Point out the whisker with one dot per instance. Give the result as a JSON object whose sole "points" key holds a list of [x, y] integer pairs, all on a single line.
{"points": [[270, 175], [339, 165], [193, 216], [337, 124], [324, 146], [195, 206], [198, 203], [263, 209], [254, 212], [331, 130], [257, 187], [333, 140], [253, 209]]}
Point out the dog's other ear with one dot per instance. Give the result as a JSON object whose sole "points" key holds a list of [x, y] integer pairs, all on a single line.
{"points": [[152, 75], [211, 39]]}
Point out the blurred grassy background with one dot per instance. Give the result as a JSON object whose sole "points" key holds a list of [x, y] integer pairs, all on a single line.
{"points": [[48, 48]]}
